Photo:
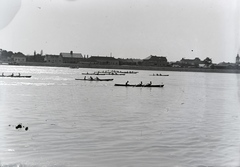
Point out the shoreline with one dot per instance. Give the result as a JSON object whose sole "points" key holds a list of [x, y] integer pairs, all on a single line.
{"points": [[129, 67]]}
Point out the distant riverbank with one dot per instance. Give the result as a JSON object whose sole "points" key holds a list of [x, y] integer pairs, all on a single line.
{"points": [[128, 67]]}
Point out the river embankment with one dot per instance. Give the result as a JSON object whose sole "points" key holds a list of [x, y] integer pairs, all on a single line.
{"points": [[132, 67]]}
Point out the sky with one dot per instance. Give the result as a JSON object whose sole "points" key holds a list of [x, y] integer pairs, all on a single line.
{"points": [[123, 28]]}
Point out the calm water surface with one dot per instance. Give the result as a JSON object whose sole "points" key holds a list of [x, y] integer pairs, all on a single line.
{"points": [[193, 121]]}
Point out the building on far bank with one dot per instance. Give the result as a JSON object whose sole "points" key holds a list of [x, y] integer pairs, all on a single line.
{"points": [[129, 61], [55, 59], [225, 65], [36, 57], [155, 61], [104, 60], [71, 57], [18, 58], [190, 62]]}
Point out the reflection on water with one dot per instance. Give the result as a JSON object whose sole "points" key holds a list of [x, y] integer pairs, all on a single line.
{"points": [[194, 120]]}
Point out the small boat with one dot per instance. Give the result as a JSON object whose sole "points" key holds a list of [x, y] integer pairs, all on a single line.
{"points": [[125, 85], [111, 73], [128, 72], [153, 86], [16, 76], [94, 79], [137, 85], [158, 75], [92, 73], [116, 72]]}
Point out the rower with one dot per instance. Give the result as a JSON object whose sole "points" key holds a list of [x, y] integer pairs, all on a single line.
{"points": [[84, 78], [149, 84], [140, 84], [127, 83], [91, 78]]}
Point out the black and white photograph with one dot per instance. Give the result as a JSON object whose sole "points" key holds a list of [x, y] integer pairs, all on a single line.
{"points": [[119, 83]]}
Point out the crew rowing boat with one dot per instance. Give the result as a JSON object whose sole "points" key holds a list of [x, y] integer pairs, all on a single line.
{"points": [[138, 85], [94, 79], [103, 74], [159, 75], [92, 73], [114, 73], [16, 76]]}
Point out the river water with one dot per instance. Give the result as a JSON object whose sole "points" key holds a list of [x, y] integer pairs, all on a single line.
{"points": [[194, 120]]}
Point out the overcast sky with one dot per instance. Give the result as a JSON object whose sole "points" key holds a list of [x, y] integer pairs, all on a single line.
{"points": [[126, 28]]}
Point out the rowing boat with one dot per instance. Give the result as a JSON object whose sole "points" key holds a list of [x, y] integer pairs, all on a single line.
{"points": [[114, 74], [92, 74], [130, 85], [94, 79], [127, 72], [125, 85], [159, 75], [16, 76]]}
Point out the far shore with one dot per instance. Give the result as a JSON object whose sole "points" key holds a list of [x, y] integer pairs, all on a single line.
{"points": [[131, 67]]}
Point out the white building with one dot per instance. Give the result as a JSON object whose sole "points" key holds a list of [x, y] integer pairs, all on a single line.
{"points": [[19, 58]]}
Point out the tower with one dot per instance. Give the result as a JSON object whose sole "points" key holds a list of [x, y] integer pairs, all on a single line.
{"points": [[237, 59]]}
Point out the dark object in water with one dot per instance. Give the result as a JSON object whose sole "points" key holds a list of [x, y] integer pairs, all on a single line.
{"points": [[19, 126]]}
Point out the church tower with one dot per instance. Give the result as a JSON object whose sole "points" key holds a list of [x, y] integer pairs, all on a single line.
{"points": [[237, 59]]}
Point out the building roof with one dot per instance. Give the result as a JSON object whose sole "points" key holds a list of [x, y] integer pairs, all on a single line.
{"points": [[102, 58], [18, 55], [52, 56], [74, 55], [151, 57], [187, 60], [191, 60]]}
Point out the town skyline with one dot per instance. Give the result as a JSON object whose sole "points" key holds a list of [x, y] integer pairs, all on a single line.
{"points": [[123, 29], [42, 53], [11, 54]]}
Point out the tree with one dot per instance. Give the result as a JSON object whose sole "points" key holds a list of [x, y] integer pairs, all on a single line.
{"points": [[6, 55], [19, 53], [207, 61]]}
